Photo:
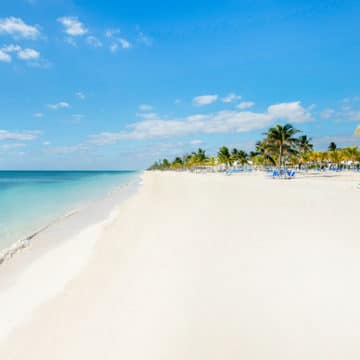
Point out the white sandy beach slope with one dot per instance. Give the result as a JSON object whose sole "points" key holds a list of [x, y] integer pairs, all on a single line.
{"points": [[209, 267]]}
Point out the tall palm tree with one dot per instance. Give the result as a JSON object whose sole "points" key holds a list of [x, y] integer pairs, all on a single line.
{"points": [[262, 154], [224, 156], [351, 153], [281, 141], [239, 156], [199, 157], [304, 147], [332, 146], [177, 163], [336, 157]]}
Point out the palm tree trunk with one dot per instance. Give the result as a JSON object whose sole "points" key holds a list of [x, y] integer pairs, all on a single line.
{"points": [[280, 157]]}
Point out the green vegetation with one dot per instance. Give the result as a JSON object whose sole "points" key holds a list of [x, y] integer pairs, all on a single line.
{"points": [[280, 147]]}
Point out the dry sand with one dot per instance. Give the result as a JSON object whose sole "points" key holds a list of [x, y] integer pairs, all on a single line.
{"points": [[204, 267]]}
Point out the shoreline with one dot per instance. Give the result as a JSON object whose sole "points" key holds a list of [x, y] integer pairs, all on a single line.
{"points": [[82, 227], [7, 253]]}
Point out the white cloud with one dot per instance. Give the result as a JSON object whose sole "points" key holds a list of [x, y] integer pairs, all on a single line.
{"points": [[5, 147], [19, 136], [355, 115], [109, 33], [230, 98], [77, 117], [28, 54], [46, 143], [144, 39], [125, 44], [292, 111], [59, 105], [196, 142], [94, 41], [114, 47], [63, 150], [4, 57], [245, 105], [147, 115], [72, 25], [71, 41], [17, 28], [80, 95], [22, 54], [204, 99], [11, 48], [221, 122], [145, 107], [38, 115], [327, 113]]}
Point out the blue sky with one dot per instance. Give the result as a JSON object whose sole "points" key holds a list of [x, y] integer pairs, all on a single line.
{"points": [[119, 84]]}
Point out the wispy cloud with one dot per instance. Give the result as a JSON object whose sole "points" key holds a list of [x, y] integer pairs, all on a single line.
{"points": [[28, 54], [71, 41], [230, 98], [143, 38], [6, 147], [38, 115], [72, 25], [109, 33], [120, 42], [327, 113], [17, 28], [245, 105], [125, 44], [147, 115], [94, 41], [204, 99], [217, 123], [19, 135], [63, 150], [59, 105], [80, 95], [145, 107], [4, 57]]}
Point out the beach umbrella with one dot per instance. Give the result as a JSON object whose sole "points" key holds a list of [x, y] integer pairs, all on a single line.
{"points": [[357, 130]]}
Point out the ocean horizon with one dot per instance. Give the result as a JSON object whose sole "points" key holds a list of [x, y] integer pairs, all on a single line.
{"points": [[32, 199]]}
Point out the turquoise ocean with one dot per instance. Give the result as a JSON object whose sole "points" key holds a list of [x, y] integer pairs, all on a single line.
{"points": [[30, 200]]}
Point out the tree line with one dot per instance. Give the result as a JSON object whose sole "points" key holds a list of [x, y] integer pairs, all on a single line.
{"points": [[282, 146]]}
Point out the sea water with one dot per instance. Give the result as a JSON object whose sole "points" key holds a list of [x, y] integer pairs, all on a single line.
{"points": [[30, 200]]}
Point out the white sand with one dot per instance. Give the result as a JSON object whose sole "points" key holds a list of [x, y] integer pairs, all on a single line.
{"points": [[206, 267]]}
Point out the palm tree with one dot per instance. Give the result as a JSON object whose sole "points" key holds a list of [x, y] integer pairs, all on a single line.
{"points": [[239, 156], [304, 147], [281, 141], [336, 157], [199, 157], [351, 153], [165, 164], [224, 156], [262, 154], [332, 146], [177, 163]]}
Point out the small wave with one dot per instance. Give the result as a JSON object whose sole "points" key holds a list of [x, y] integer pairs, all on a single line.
{"points": [[9, 252]]}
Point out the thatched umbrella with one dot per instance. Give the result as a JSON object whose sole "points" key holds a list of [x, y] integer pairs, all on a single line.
{"points": [[357, 130]]}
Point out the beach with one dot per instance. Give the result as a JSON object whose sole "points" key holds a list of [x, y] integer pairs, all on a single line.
{"points": [[196, 266]]}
